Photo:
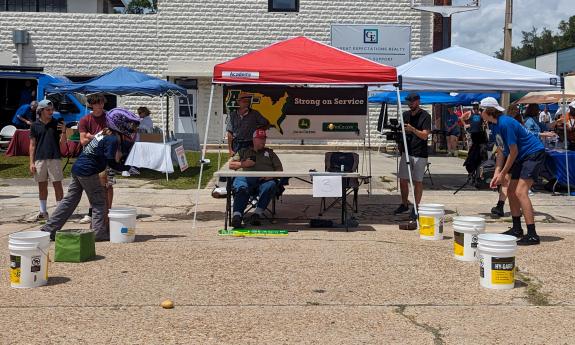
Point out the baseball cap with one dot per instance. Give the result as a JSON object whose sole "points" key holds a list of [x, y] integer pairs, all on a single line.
{"points": [[44, 104], [412, 97], [260, 133], [474, 103], [244, 95], [490, 102]]}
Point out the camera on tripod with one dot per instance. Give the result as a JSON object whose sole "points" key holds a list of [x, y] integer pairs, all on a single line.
{"points": [[393, 132]]}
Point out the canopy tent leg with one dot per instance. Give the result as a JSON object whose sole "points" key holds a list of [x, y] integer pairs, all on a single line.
{"points": [[565, 145], [203, 156], [164, 136], [400, 115], [369, 190]]}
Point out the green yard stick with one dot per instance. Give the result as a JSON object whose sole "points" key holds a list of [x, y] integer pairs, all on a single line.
{"points": [[252, 232]]}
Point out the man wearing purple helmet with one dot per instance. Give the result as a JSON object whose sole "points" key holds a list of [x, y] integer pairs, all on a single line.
{"points": [[104, 150]]}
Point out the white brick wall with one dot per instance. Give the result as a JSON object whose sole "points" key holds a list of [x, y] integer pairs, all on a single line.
{"points": [[197, 30]]}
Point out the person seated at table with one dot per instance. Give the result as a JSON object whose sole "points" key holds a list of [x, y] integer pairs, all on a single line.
{"points": [[533, 125], [256, 158], [146, 123], [25, 115], [102, 152], [569, 122], [242, 123]]}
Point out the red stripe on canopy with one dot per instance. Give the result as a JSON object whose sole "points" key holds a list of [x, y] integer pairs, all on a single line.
{"points": [[301, 60]]}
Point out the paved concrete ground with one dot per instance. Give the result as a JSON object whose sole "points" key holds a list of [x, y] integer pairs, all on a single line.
{"points": [[373, 285]]}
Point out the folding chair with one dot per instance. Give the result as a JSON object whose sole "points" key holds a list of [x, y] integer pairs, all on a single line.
{"points": [[350, 162], [6, 135]]}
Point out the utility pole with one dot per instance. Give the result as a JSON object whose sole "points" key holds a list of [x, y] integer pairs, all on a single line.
{"points": [[507, 31]]}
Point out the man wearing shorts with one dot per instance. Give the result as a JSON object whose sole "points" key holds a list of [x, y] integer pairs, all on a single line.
{"points": [[525, 155], [46, 134], [417, 128]]}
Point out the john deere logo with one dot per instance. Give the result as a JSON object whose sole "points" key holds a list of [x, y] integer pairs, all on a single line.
{"points": [[370, 36], [340, 127], [304, 123]]}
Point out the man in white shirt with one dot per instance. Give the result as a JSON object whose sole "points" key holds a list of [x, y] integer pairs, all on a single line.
{"points": [[545, 116]]}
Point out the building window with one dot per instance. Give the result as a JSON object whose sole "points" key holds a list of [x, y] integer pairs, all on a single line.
{"points": [[283, 5], [33, 5]]}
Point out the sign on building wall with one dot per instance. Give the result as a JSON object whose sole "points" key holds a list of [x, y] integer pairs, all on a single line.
{"points": [[306, 113], [386, 44]]}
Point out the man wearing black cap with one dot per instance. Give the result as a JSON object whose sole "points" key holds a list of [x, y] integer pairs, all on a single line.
{"points": [[417, 128]]}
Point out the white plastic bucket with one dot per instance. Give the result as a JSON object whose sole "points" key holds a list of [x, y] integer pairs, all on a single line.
{"points": [[465, 237], [29, 258], [497, 261], [122, 225], [124, 210], [431, 217]]}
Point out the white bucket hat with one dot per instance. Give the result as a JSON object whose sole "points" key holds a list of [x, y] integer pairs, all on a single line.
{"points": [[490, 102]]}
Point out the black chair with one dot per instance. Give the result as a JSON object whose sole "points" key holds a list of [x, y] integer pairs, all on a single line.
{"points": [[350, 162]]}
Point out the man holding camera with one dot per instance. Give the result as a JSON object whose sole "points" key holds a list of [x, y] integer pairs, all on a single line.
{"points": [[46, 135], [417, 124]]}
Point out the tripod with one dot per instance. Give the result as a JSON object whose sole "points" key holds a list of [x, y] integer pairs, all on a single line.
{"points": [[470, 178]]}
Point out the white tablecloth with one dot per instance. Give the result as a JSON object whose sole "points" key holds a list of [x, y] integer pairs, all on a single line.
{"points": [[155, 156]]}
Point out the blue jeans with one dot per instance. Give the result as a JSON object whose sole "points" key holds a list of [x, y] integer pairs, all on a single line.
{"points": [[245, 186]]}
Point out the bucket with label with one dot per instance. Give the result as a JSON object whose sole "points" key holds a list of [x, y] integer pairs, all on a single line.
{"points": [[122, 224], [431, 217], [465, 237], [497, 261], [29, 258]]}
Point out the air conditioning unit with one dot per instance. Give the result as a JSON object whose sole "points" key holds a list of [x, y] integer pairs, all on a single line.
{"points": [[20, 36]]}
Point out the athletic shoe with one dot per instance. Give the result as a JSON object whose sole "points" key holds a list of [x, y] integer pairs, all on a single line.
{"points": [[40, 217], [401, 209], [255, 220], [514, 232], [528, 240], [236, 221], [412, 214], [498, 211], [86, 220]]}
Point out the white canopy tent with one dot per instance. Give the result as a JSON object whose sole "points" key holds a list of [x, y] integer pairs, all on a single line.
{"points": [[465, 70]]}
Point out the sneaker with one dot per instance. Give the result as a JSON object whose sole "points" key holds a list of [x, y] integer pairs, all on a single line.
{"points": [[52, 235], [40, 217], [236, 221], [255, 220], [412, 214], [86, 220], [513, 232], [401, 209], [497, 211], [530, 193], [528, 240]]}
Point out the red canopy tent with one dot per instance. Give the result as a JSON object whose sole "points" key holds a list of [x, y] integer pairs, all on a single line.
{"points": [[297, 61], [302, 60]]}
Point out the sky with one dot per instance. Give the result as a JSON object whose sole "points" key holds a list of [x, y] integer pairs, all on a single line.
{"points": [[482, 30]]}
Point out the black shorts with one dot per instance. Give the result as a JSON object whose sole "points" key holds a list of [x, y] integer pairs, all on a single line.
{"points": [[529, 167]]}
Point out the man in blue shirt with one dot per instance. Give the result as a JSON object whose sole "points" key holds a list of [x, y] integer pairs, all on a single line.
{"points": [[24, 116], [525, 155]]}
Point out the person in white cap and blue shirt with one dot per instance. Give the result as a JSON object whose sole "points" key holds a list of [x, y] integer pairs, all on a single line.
{"points": [[525, 155]]}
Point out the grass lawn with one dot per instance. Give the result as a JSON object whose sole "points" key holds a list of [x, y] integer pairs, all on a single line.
{"points": [[17, 167]]}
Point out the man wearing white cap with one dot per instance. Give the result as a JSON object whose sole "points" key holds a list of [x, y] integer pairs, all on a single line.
{"points": [[525, 156]]}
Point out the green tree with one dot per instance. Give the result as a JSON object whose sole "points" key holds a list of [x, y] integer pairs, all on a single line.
{"points": [[141, 6], [534, 43]]}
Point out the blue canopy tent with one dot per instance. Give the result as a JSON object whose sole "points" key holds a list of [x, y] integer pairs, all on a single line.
{"points": [[430, 97], [123, 81]]}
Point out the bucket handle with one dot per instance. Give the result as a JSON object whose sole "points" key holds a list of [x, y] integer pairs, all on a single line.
{"points": [[43, 252]]}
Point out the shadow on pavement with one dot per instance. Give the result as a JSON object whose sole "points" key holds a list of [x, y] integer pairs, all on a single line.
{"points": [[145, 238], [57, 280], [550, 238]]}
